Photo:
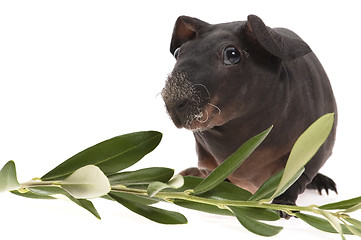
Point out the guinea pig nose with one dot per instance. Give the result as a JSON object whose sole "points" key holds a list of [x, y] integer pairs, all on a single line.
{"points": [[182, 105]]}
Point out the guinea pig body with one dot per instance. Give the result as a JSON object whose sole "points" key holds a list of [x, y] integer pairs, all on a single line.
{"points": [[231, 81]]}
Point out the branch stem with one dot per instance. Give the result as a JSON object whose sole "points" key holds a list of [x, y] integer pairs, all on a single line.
{"points": [[187, 195], [169, 196], [33, 183]]}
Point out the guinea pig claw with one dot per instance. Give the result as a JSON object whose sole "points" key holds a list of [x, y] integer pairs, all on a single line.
{"points": [[321, 182], [284, 214]]}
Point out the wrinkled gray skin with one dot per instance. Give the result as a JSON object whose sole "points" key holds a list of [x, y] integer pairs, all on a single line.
{"points": [[226, 97]]}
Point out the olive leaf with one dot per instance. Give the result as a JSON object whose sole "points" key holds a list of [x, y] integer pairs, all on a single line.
{"points": [[29, 194], [141, 176], [231, 163], [49, 191], [145, 200], [110, 156], [86, 182], [152, 213], [253, 225], [202, 207], [353, 208], [8, 179], [260, 213], [267, 189], [320, 223], [333, 221], [223, 191], [303, 150], [355, 222], [176, 182], [342, 204], [355, 228]]}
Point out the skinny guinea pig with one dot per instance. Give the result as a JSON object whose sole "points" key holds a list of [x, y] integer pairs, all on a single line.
{"points": [[232, 81]]}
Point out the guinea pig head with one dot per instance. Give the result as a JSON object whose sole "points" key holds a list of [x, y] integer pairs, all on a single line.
{"points": [[223, 71]]}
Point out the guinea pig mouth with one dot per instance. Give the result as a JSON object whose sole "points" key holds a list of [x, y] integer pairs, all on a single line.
{"points": [[188, 115]]}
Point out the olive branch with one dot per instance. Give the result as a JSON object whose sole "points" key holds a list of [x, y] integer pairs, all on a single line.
{"points": [[98, 172]]}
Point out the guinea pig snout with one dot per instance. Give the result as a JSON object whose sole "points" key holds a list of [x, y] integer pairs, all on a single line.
{"points": [[182, 100]]}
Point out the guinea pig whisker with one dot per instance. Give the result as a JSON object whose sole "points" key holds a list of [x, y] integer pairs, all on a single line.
{"points": [[157, 95], [219, 110], [199, 84]]}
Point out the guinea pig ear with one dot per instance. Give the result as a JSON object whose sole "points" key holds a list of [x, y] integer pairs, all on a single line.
{"points": [[286, 47], [185, 29]]}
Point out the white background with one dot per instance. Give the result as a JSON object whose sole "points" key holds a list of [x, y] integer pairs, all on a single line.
{"points": [[74, 73]]}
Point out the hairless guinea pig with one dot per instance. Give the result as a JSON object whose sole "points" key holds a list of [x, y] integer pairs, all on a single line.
{"points": [[233, 80]]}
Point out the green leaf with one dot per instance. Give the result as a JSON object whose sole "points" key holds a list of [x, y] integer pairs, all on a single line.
{"points": [[253, 225], [155, 214], [231, 163], [50, 191], [333, 221], [304, 149], [133, 198], [355, 222], [255, 213], [355, 230], [286, 184], [142, 176], [224, 191], [342, 204], [267, 188], [86, 182], [320, 223], [30, 194], [260, 214], [88, 205], [8, 180], [203, 207], [176, 182], [110, 156], [353, 208]]}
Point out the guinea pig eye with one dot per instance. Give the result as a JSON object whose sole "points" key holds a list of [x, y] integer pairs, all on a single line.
{"points": [[231, 56], [176, 53]]}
